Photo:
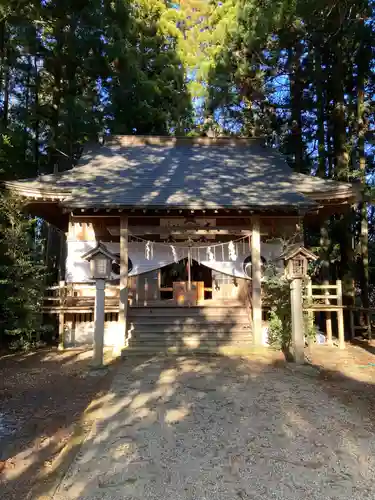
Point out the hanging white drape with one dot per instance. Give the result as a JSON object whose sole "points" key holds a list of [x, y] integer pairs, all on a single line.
{"points": [[78, 270], [159, 256]]}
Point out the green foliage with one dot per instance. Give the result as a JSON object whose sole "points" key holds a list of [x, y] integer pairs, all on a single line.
{"points": [[299, 73], [72, 70], [277, 295], [279, 335], [146, 86], [21, 274]]}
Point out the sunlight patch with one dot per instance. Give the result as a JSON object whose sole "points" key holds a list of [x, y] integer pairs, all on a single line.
{"points": [[176, 415], [192, 341]]}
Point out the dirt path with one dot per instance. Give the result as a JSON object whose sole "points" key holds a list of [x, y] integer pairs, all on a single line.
{"points": [[42, 396], [192, 428], [223, 428]]}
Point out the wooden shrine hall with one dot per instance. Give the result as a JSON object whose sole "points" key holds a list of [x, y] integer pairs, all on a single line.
{"points": [[191, 223]]}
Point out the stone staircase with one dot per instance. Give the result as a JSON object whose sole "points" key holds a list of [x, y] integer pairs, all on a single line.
{"points": [[199, 329]]}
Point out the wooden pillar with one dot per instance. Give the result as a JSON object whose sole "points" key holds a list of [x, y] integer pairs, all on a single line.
{"points": [[310, 313], [328, 315], [298, 327], [340, 315], [99, 317], [62, 292], [124, 256], [256, 275], [352, 324], [189, 269], [137, 290]]}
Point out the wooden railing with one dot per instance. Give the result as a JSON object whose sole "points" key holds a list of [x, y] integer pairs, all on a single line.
{"points": [[326, 298], [361, 319], [78, 298], [74, 297]]}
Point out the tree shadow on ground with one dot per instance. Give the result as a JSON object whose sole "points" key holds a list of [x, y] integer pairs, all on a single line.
{"points": [[364, 344], [43, 395], [46, 393], [220, 427]]}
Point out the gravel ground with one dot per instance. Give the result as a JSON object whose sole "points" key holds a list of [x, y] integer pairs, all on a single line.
{"points": [[42, 397], [223, 429]]}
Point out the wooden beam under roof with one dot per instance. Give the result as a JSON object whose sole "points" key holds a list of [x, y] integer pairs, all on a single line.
{"points": [[199, 230]]}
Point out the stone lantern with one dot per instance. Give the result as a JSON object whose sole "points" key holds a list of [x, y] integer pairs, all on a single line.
{"points": [[100, 259], [296, 259]]}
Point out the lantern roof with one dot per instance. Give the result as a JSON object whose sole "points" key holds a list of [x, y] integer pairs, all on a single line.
{"points": [[100, 249], [296, 250]]}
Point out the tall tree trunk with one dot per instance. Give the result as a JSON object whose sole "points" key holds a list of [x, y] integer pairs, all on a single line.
{"points": [[71, 97], [71, 91], [2, 53], [320, 112], [345, 231], [325, 246], [5, 78], [36, 114], [330, 170], [341, 157], [57, 71], [55, 118], [362, 169], [27, 110], [296, 98]]}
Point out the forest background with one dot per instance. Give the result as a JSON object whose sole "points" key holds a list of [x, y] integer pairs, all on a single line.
{"points": [[299, 73]]}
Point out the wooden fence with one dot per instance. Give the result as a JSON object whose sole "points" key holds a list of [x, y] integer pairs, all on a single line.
{"points": [[326, 298], [361, 320]]}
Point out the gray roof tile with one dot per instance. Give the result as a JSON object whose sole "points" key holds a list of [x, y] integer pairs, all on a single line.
{"points": [[182, 175]]}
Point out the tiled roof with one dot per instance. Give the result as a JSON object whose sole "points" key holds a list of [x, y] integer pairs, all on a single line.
{"points": [[182, 173]]}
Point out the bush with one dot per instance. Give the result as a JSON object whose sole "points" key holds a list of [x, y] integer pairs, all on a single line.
{"points": [[277, 294], [22, 275]]}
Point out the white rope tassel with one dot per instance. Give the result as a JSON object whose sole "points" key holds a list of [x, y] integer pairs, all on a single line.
{"points": [[232, 251], [175, 258], [148, 250], [210, 255]]}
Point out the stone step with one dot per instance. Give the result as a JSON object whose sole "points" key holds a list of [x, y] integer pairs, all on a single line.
{"points": [[191, 330], [167, 328], [187, 338], [173, 338], [192, 312], [207, 326], [238, 349], [194, 338], [212, 314], [207, 304]]}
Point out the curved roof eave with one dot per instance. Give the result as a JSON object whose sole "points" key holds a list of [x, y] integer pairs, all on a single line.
{"points": [[29, 191], [170, 173]]}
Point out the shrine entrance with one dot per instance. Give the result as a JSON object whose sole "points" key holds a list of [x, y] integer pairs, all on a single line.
{"points": [[177, 280]]}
